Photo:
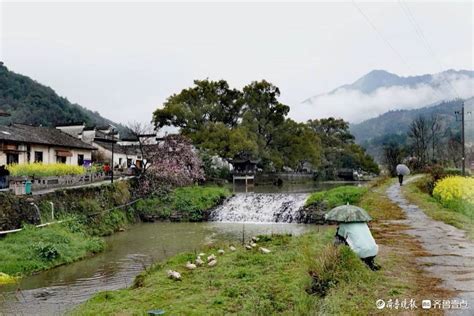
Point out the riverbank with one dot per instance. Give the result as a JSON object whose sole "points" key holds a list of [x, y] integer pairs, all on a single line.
{"points": [[78, 236], [302, 275], [34, 249], [291, 279]]}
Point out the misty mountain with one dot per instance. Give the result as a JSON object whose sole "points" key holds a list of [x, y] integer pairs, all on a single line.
{"points": [[380, 91], [393, 126], [29, 102]]}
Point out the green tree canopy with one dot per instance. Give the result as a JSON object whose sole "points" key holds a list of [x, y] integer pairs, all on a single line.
{"points": [[253, 123]]}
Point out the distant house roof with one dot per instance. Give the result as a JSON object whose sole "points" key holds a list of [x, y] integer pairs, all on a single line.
{"points": [[129, 150], [73, 124], [20, 133], [3, 113]]}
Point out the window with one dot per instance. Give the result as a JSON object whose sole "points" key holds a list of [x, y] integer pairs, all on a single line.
{"points": [[60, 159], [38, 156], [80, 160], [12, 158], [120, 162]]}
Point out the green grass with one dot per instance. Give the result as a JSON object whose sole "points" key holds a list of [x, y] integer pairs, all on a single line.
{"points": [[455, 216], [34, 249], [189, 202], [337, 196], [251, 283]]}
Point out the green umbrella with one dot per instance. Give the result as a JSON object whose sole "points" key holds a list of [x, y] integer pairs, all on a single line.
{"points": [[347, 214]]}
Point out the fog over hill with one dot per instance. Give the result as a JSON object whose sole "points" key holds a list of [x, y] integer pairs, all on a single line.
{"points": [[380, 91]]}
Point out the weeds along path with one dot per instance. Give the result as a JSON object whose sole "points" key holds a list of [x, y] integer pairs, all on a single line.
{"points": [[450, 254]]}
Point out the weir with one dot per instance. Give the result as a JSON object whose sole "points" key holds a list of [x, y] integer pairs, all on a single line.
{"points": [[260, 208]]}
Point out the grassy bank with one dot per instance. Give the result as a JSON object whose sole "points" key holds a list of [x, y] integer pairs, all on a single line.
{"points": [[34, 249], [182, 204], [303, 275], [461, 217], [337, 196]]}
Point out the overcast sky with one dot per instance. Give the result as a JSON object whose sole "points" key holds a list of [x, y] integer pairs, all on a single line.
{"points": [[125, 59]]}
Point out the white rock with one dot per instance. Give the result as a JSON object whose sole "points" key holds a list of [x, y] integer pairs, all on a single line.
{"points": [[248, 247], [212, 263], [253, 245], [221, 251], [202, 254], [255, 239], [264, 250], [175, 275], [232, 248]]}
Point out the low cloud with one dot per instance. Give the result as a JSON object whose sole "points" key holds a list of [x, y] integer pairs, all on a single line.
{"points": [[355, 106]]}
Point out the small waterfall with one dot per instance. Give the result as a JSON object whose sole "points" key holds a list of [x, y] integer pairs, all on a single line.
{"points": [[260, 208]]}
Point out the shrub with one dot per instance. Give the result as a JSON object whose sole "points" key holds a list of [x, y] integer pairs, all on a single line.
{"points": [[44, 170], [46, 251], [455, 188], [337, 196], [456, 193]]}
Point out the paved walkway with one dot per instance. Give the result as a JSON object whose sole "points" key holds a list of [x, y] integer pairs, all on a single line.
{"points": [[452, 254]]}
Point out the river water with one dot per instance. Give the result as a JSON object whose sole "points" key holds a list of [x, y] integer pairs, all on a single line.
{"points": [[55, 291]]}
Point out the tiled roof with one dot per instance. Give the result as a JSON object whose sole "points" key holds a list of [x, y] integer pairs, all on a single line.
{"points": [[20, 133]]}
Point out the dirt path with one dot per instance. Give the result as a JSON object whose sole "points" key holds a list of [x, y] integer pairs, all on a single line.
{"points": [[451, 254]]}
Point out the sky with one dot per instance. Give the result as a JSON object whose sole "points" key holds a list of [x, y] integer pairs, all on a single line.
{"points": [[124, 59]]}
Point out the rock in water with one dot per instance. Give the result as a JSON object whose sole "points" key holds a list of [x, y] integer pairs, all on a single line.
{"points": [[175, 275]]}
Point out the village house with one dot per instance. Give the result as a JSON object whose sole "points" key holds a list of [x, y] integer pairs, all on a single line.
{"points": [[127, 151], [24, 144]]}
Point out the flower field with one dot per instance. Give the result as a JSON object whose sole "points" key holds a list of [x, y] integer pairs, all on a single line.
{"points": [[45, 170], [456, 192]]}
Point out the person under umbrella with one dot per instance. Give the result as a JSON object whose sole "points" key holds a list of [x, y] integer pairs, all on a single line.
{"points": [[402, 170], [354, 232]]}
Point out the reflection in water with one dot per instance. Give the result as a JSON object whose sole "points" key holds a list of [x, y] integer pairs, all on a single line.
{"points": [[55, 291]]}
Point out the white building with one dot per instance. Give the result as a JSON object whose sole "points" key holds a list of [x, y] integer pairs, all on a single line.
{"points": [[25, 143]]}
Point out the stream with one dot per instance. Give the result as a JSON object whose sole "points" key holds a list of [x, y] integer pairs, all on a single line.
{"points": [[58, 290]]}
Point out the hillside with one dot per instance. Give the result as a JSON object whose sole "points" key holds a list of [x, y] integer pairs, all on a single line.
{"points": [[372, 134], [30, 102]]}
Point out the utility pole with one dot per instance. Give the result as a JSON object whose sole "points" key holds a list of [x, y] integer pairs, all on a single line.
{"points": [[112, 169], [463, 158]]}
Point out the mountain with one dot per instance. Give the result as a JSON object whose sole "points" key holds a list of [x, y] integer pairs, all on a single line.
{"points": [[30, 102], [393, 126], [380, 91]]}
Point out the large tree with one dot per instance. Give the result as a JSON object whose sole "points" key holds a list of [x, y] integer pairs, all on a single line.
{"points": [[192, 108], [263, 113]]}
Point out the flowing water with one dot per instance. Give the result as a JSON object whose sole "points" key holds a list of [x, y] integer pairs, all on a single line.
{"points": [[55, 291], [260, 208]]}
